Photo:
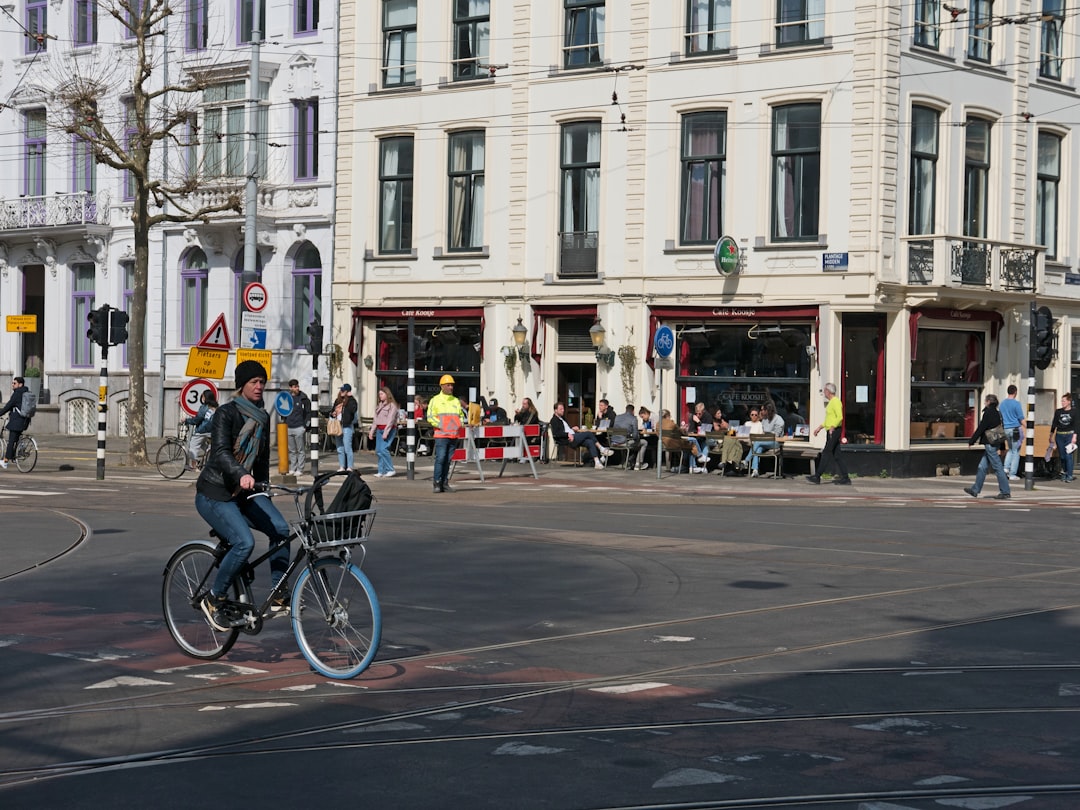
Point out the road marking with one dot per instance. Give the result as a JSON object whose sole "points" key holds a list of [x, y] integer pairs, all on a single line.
{"points": [[630, 688], [685, 777], [14, 492], [516, 749], [126, 680]]}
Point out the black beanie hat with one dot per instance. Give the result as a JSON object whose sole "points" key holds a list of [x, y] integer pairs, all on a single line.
{"points": [[249, 370]]}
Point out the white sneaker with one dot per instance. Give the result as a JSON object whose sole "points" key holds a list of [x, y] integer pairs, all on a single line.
{"points": [[753, 474], [390, 474], [1014, 477], [378, 475], [607, 451], [599, 464], [3, 464]]}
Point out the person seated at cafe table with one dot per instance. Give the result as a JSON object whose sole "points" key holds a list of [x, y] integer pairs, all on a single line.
{"points": [[566, 436], [681, 444], [764, 415], [628, 422], [730, 456], [646, 453]]}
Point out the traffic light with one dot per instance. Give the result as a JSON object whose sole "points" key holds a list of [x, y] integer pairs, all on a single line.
{"points": [[1042, 338], [314, 334], [99, 326], [118, 321]]}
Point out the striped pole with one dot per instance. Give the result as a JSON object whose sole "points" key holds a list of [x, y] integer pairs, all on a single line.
{"points": [[103, 407], [1029, 439], [410, 415], [313, 423]]}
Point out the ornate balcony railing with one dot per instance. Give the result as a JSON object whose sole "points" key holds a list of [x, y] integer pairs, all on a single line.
{"points": [[963, 261], [80, 208], [971, 264], [578, 254]]}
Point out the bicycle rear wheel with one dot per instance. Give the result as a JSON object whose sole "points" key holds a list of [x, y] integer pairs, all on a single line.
{"points": [[336, 618], [171, 459], [188, 577], [26, 454]]}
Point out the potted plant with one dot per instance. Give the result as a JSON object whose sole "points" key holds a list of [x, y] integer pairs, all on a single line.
{"points": [[32, 375]]}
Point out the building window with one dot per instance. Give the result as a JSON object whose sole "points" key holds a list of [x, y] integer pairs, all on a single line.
{"points": [[225, 129], [976, 176], [241, 280], [307, 292], [980, 28], [246, 12], [1046, 193], [82, 301], [946, 375], [580, 199], [466, 191], [85, 22], [306, 19], [128, 269], [796, 172], [800, 22], [584, 39], [34, 164], [703, 167], [134, 18], [399, 43], [395, 195], [84, 169], [131, 132], [194, 273], [923, 181], [472, 34], [928, 23], [708, 27], [196, 25], [1053, 20], [306, 159], [36, 25]]}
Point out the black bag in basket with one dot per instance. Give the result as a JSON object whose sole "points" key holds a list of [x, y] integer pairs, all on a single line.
{"points": [[354, 496]]}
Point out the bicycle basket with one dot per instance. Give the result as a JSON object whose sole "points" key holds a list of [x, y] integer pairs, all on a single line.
{"points": [[344, 519], [342, 528]]}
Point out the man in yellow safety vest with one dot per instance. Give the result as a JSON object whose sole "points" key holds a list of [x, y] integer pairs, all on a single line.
{"points": [[445, 415]]}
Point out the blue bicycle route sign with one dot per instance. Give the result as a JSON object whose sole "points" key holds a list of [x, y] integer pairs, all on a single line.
{"points": [[283, 403], [664, 342]]}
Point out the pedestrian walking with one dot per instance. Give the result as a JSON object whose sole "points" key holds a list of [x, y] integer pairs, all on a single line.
{"points": [[1063, 432], [446, 415], [298, 422], [383, 430], [1012, 417], [830, 456], [991, 418]]}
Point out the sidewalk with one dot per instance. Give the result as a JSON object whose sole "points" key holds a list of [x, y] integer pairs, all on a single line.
{"points": [[80, 452]]}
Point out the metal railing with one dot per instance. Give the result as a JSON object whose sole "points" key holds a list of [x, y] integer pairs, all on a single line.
{"points": [[578, 254], [79, 208], [964, 261]]}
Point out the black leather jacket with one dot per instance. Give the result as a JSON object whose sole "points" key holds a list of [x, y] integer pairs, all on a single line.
{"points": [[16, 421], [220, 478]]}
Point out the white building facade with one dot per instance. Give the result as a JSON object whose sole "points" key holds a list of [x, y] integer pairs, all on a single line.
{"points": [[66, 241], [895, 177]]}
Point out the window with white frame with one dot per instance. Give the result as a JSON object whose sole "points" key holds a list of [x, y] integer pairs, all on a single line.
{"points": [[225, 132], [194, 274], [1052, 22], [34, 143], [583, 44], [82, 301], [127, 268], [708, 27], [980, 30], [796, 151], [131, 132], [84, 167], [134, 17], [922, 184], [250, 17], [579, 217], [395, 194], [307, 292], [704, 163], [37, 28], [976, 176], [196, 24], [305, 16], [85, 22], [466, 186], [1048, 179], [472, 35], [306, 156], [399, 43], [800, 22], [928, 23]]}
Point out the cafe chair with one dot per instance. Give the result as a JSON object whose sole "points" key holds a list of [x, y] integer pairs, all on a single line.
{"points": [[620, 443], [774, 454], [675, 447]]}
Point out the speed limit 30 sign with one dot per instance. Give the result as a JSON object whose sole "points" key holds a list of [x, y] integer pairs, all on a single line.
{"points": [[192, 392]]}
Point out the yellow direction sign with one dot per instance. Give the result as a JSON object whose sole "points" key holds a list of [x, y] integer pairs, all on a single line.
{"points": [[261, 356], [22, 323], [206, 363]]}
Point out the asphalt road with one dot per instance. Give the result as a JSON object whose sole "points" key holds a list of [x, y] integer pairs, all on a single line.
{"points": [[578, 642]]}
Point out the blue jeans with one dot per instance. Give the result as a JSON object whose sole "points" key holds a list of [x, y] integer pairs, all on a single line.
{"points": [[1012, 458], [756, 449], [991, 460], [234, 520], [444, 449], [382, 450], [343, 443], [1065, 456]]}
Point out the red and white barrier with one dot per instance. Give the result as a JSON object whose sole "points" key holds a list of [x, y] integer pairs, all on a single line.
{"points": [[519, 448]]}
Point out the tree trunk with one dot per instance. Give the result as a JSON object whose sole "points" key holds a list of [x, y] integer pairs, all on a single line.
{"points": [[137, 456]]}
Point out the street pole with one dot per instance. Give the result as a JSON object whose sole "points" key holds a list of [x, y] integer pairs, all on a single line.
{"points": [[252, 186], [658, 425], [410, 424], [1029, 438], [313, 422], [103, 404]]}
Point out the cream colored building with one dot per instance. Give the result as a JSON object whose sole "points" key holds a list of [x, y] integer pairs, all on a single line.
{"points": [[894, 176]]}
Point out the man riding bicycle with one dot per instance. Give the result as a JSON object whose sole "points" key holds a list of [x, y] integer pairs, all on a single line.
{"points": [[240, 456]]}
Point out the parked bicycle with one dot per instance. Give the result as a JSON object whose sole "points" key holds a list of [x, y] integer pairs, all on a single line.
{"points": [[173, 458], [335, 613], [26, 451]]}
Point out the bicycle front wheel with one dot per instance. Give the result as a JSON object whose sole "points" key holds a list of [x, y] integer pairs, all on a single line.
{"points": [[26, 454], [188, 577], [336, 618], [171, 459]]}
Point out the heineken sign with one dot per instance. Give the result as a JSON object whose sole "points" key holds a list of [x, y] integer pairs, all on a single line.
{"points": [[726, 256]]}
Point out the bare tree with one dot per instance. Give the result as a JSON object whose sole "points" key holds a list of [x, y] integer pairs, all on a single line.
{"points": [[119, 103]]}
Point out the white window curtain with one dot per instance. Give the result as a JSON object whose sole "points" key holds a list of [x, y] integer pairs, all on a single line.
{"points": [[391, 198]]}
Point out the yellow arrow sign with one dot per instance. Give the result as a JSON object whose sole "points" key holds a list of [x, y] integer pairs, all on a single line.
{"points": [[206, 363], [22, 323]]}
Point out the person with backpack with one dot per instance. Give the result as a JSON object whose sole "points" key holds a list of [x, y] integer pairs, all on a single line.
{"points": [[20, 412]]}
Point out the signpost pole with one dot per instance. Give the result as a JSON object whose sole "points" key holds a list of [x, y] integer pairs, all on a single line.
{"points": [[410, 395], [659, 424], [103, 407]]}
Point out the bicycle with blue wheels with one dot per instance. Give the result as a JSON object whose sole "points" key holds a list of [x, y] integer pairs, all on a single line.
{"points": [[334, 610]]}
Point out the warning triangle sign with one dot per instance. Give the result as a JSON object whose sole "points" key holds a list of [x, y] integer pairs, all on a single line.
{"points": [[217, 336]]}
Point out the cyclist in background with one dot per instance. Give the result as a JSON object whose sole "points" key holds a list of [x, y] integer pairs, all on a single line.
{"points": [[17, 421], [239, 457], [202, 421]]}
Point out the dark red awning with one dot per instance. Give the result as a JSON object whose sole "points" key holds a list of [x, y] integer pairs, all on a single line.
{"points": [[737, 313], [430, 313], [567, 311]]}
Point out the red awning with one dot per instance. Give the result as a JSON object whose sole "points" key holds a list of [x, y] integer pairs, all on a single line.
{"points": [[747, 313], [431, 313], [567, 311], [955, 315]]}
